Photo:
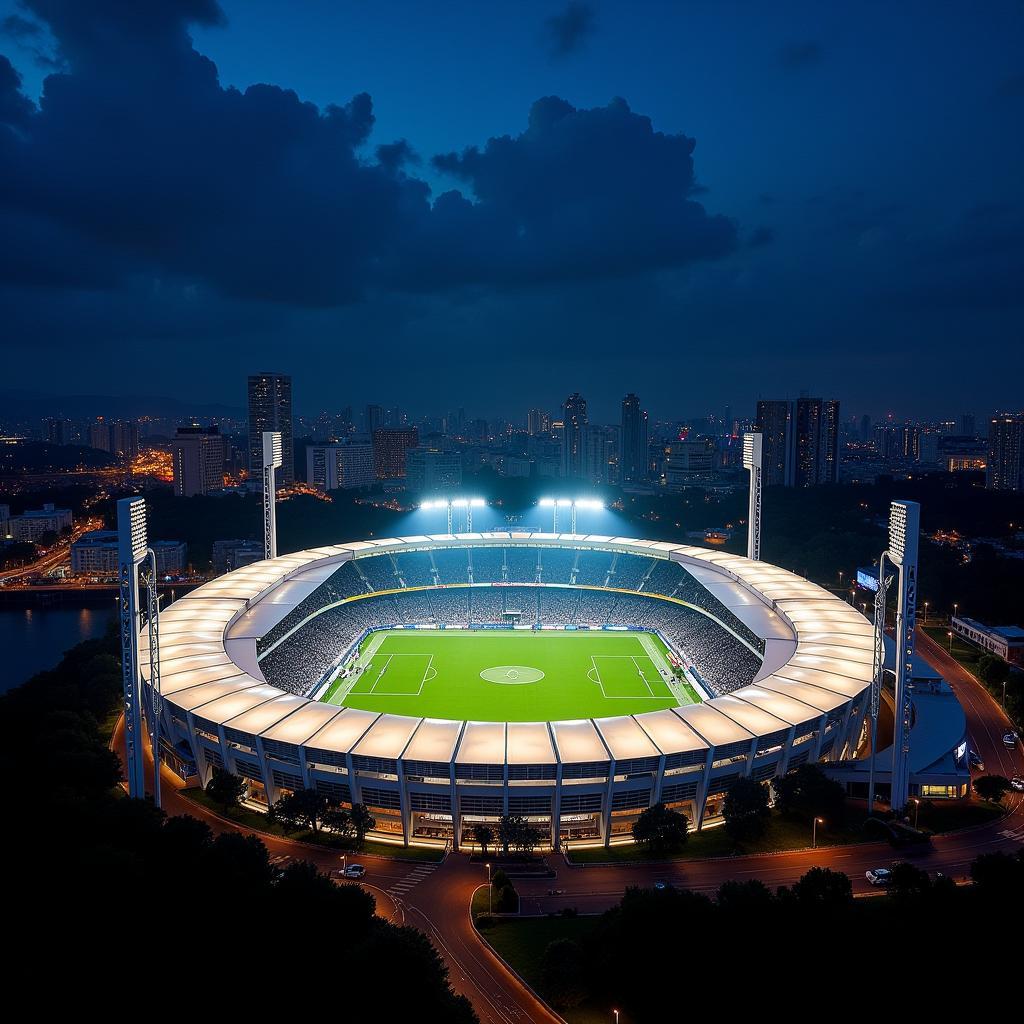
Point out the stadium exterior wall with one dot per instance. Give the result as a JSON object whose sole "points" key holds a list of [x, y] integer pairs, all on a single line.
{"points": [[578, 780]]}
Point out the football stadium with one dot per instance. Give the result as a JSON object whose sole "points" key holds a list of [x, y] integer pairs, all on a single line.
{"points": [[447, 680]]}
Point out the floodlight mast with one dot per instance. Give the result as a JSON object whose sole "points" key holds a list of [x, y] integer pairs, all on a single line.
{"points": [[452, 503], [132, 551], [273, 452], [752, 462]]}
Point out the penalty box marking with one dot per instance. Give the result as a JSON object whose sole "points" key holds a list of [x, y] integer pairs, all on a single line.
{"points": [[429, 673], [594, 675]]}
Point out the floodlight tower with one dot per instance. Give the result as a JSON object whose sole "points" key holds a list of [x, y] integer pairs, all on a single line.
{"points": [[273, 456], [132, 552], [904, 530], [752, 462]]}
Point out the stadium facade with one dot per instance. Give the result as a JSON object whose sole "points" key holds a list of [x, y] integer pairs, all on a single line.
{"points": [[785, 667]]}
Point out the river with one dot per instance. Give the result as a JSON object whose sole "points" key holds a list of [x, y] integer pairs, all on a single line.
{"points": [[33, 639]]}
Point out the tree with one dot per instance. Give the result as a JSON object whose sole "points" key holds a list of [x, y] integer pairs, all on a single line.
{"points": [[748, 897], [823, 887], [338, 820], [225, 788], [510, 830], [908, 881], [660, 829], [746, 809], [484, 835], [992, 670], [301, 809], [992, 787], [362, 822], [504, 898], [562, 973], [809, 793]]}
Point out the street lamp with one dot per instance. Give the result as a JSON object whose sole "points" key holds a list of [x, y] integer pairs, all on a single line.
{"points": [[616, 1012], [488, 890], [926, 611], [814, 833], [950, 635], [917, 809]]}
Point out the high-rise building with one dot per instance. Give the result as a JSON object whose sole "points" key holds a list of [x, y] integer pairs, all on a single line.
{"points": [[340, 466], [124, 439], [390, 448], [270, 408], [33, 524], [1005, 469], [599, 454], [800, 441], [198, 459], [633, 456], [574, 419], [433, 470], [58, 430], [778, 438], [99, 435], [373, 418], [965, 424], [537, 422]]}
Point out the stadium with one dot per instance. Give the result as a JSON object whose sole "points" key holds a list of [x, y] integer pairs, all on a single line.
{"points": [[447, 680]]}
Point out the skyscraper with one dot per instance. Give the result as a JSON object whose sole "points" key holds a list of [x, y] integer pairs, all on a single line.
{"points": [[574, 419], [537, 422], [270, 408], [1005, 470], [389, 451], [633, 459], [800, 441], [775, 425], [198, 459]]}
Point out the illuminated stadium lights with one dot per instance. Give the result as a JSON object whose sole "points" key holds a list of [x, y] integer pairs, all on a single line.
{"points": [[463, 504], [573, 504]]}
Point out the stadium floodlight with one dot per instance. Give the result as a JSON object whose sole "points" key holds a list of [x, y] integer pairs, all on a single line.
{"points": [[273, 455], [547, 502], [467, 504], [591, 504]]}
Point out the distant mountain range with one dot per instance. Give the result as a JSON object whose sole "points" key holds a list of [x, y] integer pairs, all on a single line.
{"points": [[23, 405]]}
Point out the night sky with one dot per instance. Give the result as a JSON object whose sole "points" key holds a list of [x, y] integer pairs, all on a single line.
{"points": [[490, 205]]}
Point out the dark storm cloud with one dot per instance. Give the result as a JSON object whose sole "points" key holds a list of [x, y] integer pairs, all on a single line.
{"points": [[762, 235], [14, 26], [567, 32], [799, 55], [579, 193], [137, 158]]}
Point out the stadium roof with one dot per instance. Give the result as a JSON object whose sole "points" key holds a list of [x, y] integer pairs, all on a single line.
{"points": [[822, 658]]}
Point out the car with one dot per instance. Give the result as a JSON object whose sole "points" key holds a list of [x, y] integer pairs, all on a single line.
{"points": [[1017, 784], [1011, 739], [878, 876], [975, 761], [355, 871]]}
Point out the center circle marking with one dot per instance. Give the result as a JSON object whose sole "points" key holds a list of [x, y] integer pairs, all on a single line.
{"points": [[512, 675]]}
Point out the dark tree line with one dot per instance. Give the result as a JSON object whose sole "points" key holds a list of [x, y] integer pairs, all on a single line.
{"points": [[109, 889], [664, 955]]}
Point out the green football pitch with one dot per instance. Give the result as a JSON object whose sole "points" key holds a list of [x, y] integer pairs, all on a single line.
{"points": [[511, 676]]}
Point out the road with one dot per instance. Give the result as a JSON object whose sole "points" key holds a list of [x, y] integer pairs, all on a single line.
{"points": [[58, 555], [436, 899]]}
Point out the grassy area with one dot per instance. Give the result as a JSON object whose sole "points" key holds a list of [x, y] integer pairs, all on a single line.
{"points": [[781, 834], [521, 943], [947, 816], [247, 818], [967, 654], [516, 676]]}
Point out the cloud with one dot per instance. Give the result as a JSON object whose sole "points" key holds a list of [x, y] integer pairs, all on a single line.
{"points": [[16, 27], [799, 55], [762, 235], [579, 193], [138, 161], [567, 32]]}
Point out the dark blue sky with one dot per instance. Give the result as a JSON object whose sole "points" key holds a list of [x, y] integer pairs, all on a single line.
{"points": [[701, 202]]}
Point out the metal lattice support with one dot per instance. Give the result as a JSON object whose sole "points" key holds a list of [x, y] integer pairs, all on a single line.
{"points": [[156, 700], [129, 679], [878, 671], [752, 462], [272, 458]]}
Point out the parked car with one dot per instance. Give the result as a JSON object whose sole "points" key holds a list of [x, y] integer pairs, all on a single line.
{"points": [[878, 876], [1011, 739], [355, 871], [975, 761], [1017, 784]]}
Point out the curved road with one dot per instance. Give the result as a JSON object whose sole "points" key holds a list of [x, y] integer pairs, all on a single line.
{"points": [[436, 899]]}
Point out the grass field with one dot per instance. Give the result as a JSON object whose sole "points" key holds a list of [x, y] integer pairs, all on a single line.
{"points": [[513, 676]]}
